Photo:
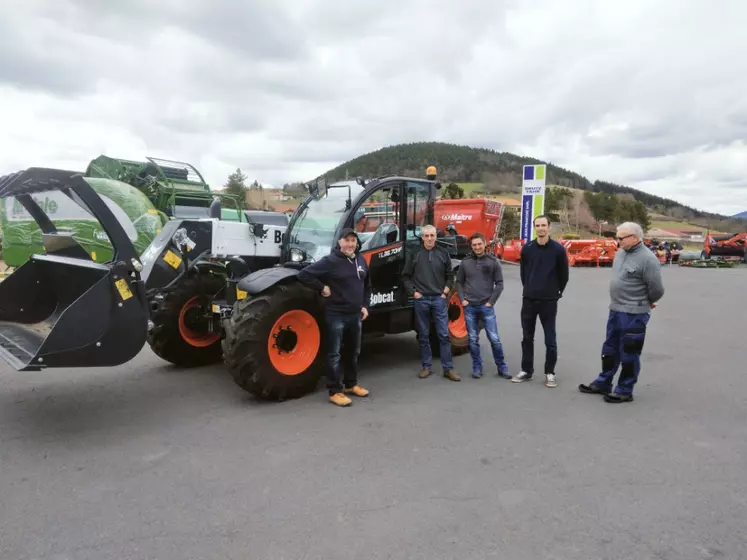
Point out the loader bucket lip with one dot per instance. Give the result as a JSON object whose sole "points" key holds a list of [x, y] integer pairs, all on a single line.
{"points": [[192, 337], [294, 341]]}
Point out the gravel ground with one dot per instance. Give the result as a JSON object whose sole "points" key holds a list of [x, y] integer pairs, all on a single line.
{"points": [[145, 461]]}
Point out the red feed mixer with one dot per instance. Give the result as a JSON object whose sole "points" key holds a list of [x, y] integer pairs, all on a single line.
{"points": [[470, 215]]}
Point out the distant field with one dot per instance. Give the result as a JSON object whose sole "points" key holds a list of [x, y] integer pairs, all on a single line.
{"points": [[469, 187], [669, 224]]}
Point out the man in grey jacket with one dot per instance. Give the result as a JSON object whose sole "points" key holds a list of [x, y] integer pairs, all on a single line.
{"points": [[480, 284], [635, 287]]}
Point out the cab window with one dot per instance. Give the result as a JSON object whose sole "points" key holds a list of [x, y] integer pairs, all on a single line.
{"points": [[378, 217]]}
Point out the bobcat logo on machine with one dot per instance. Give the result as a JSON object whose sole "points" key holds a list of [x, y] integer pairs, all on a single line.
{"points": [[376, 299]]}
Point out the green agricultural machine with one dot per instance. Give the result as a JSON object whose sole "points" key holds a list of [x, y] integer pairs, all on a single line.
{"points": [[143, 196], [177, 189], [22, 236]]}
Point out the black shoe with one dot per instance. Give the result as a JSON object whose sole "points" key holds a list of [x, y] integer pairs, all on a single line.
{"points": [[504, 374], [593, 389], [618, 398]]}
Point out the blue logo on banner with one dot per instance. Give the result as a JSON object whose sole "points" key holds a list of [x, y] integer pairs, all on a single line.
{"points": [[526, 216]]}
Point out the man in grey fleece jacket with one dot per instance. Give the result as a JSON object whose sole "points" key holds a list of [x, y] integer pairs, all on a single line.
{"points": [[635, 287], [480, 284]]}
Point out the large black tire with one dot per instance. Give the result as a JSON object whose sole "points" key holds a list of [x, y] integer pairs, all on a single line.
{"points": [[166, 339], [250, 334]]}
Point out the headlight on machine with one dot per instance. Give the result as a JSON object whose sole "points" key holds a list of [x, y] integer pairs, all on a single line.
{"points": [[297, 255]]}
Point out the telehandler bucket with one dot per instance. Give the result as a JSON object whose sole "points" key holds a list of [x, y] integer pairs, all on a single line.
{"points": [[60, 308]]}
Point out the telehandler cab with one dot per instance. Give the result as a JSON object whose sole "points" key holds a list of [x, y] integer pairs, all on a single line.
{"points": [[208, 289]]}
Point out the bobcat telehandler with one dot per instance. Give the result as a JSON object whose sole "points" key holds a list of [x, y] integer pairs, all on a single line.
{"points": [[207, 290]]}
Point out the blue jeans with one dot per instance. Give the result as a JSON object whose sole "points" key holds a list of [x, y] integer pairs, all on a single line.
{"points": [[626, 333], [343, 333], [437, 307], [472, 315]]}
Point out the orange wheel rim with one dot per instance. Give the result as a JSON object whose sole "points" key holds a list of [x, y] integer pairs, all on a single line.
{"points": [[294, 342], [192, 337], [457, 324]]}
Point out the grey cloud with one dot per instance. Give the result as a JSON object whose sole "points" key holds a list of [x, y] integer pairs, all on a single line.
{"points": [[38, 63], [278, 86]]}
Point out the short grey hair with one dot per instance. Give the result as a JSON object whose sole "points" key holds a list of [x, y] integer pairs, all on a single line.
{"points": [[633, 228], [429, 227]]}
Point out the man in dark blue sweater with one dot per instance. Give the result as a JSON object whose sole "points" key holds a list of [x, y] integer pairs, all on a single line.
{"points": [[544, 274], [342, 278]]}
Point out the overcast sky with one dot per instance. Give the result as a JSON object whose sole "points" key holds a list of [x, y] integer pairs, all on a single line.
{"points": [[647, 93]]}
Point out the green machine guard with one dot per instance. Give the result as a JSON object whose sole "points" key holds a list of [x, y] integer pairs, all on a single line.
{"points": [[60, 308]]}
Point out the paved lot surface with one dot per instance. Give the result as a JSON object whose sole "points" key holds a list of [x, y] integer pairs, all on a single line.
{"points": [[148, 462]]}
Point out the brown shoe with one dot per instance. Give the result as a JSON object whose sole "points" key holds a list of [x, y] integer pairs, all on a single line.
{"points": [[425, 372], [340, 400], [451, 374], [358, 391]]}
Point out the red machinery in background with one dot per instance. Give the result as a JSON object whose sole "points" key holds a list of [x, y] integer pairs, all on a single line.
{"points": [[581, 252], [729, 245], [471, 215], [601, 252]]}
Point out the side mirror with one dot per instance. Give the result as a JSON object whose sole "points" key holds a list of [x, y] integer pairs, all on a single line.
{"points": [[318, 188], [321, 187], [259, 230], [410, 227]]}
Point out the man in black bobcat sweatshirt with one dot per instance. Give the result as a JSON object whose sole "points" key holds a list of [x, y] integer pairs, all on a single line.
{"points": [[544, 274], [342, 278]]}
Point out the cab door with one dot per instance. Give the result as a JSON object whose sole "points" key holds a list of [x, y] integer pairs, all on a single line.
{"points": [[389, 228], [379, 227]]}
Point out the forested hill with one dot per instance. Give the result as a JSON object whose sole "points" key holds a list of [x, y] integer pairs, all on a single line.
{"points": [[498, 171]]}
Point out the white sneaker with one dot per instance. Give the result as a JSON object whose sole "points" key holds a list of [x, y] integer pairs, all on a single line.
{"points": [[551, 380], [521, 377]]}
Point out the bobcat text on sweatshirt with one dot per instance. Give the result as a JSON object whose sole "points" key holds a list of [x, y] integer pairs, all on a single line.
{"points": [[636, 280], [543, 270], [480, 279], [348, 280]]}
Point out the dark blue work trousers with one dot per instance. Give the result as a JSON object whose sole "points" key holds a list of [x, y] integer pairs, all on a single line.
{"points": [[626, 333]]}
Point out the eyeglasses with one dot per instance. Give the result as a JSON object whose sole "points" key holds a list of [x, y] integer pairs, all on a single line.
{"points": [[624, 237]]}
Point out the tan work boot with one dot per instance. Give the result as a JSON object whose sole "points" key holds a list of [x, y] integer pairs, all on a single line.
{"points": [[340, 400], [451, 374], [358, 391], [425, 372]]}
